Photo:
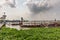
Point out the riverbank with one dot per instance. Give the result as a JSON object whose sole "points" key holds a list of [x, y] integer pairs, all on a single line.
{"points": [[31, 34]]}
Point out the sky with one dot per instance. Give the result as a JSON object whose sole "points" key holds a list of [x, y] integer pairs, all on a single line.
{"points": [[31, 9]]}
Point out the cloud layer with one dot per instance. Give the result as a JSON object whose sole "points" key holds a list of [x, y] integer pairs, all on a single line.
{"points": [[36, 6], [37, 9], [46, 9], [10, 3]]}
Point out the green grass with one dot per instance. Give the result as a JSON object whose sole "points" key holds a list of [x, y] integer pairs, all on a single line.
{"points": [[31, 34]]}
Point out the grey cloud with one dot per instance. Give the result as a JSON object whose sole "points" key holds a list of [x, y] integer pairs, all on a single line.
{"points": [[49, 11], [9, 3], [37, 6], [12, 4]]}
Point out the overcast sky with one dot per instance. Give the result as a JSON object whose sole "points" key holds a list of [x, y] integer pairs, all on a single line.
{"points": [[48, 9]]}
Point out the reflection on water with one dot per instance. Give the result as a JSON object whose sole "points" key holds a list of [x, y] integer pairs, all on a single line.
{"points": [[1, 25], [16, 27], [8, 25]]}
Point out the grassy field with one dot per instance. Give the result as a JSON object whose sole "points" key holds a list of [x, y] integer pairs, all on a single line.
{"points": [[31, 34]]}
